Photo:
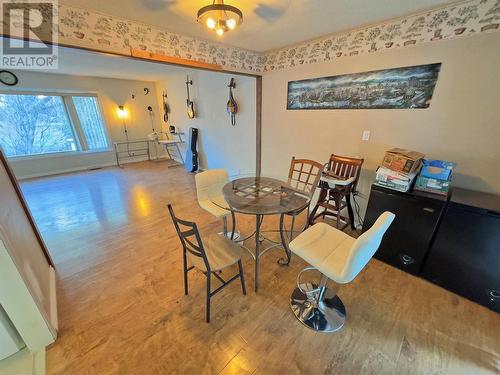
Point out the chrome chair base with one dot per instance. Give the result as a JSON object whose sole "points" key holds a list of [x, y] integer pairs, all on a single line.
{"points": [[324, 315]]}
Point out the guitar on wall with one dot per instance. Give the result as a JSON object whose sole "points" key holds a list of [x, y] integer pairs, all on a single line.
{"points": [[191, 162], [166, 109], [189, 102], [232, 106]]}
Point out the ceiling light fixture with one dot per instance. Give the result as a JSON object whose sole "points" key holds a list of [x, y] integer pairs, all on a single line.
{"points": [[220, 17]]}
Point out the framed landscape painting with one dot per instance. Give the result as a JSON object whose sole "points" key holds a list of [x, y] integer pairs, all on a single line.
{"points": [[399, 88]]}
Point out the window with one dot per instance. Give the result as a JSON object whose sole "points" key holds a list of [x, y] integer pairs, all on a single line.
{"points": [[34, 124], [91, 122]]}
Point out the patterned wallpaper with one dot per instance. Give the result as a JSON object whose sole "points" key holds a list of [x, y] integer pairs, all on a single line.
{"points": [[90, 29], [108, 33], [457, 20]]}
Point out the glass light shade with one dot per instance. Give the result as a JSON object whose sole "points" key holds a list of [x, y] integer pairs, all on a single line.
{"points": [[220, 17], [210, 23], [231, 23]]}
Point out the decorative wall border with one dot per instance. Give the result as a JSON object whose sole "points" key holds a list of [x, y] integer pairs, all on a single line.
{"points": [[105, 32], [453, 21], [100, 32]]}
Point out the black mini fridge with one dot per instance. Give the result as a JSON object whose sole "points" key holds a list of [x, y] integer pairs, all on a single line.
{"points": [[465, 255], [408, 239]]}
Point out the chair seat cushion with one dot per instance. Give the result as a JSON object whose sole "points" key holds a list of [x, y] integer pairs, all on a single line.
{"points": [[221, 253], [214, 209], [325, 248]]}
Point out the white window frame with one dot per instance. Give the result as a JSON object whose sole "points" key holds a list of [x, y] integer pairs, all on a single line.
{"points": [[74, 120]]}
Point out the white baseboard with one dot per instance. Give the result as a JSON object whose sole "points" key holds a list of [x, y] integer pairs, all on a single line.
{"points": [[86, 168]]}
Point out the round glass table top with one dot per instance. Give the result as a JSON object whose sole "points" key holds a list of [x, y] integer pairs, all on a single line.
{"points": [[258, 195]]}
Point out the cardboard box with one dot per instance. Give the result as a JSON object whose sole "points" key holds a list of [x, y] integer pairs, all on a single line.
{"points": [[437, 169], [402, 160], [394, 180], [432, 185]]}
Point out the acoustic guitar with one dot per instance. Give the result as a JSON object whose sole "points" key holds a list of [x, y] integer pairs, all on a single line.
{"points": [[189, 102], [232, 106], [166, 109], [191, 162]]}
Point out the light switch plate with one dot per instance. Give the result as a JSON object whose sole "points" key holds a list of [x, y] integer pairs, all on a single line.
{"points": [[366, 135]]}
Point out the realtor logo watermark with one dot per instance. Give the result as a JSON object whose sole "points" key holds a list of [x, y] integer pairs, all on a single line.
{"points": [[30, 34]]}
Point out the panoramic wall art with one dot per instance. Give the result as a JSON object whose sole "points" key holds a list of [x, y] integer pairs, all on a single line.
{"points": [[399, 88]]}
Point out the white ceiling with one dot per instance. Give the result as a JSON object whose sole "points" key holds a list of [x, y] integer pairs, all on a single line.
{"points": [[268, 24]]}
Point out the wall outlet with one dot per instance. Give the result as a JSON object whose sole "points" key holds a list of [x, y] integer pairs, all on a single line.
{"points": [[366, 135]]}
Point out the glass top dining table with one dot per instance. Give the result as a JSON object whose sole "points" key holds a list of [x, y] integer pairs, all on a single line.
{"points": [[261, 195]]}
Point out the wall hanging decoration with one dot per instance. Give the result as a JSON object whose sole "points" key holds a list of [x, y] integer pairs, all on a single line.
{"points": [[8, 78], [232, 106], [189, 102], [399, 88], [151, 117], [166, 108]]}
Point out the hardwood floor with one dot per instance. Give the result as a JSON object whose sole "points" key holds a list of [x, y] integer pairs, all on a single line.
{"points": [[122, 309]]}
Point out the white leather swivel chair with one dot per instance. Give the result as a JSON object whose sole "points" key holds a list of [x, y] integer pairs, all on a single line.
{"points": [[338, 257], [205, 183]]}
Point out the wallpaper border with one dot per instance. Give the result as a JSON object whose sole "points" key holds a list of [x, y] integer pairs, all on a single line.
{"points": [[95, 31]]}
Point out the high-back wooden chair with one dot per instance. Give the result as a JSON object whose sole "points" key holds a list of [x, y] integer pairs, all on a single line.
{"points": [[303, 177], [216, 254], [333, 199]]}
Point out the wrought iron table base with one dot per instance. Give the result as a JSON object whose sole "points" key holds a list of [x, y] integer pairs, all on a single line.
{"points": [[260, 238]]}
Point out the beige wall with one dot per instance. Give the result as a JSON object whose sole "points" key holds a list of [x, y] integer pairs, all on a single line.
{"points": [[111, 92], [220, 144], [462, 123]]}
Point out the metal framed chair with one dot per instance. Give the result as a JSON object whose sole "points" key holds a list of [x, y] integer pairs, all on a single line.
{"points": [[204, 182], [303, 176], [338, 257], [333, 199], [216, 254]]}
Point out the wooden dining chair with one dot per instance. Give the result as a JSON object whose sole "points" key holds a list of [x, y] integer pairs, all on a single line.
{"points": [[333, 199], [217, 253], [303, 177]]}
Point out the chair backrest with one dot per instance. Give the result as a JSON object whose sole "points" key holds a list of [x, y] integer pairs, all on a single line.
{"points": [[190, 237], [365, 247], [346, 167], [304, 175], [208, 179]]}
